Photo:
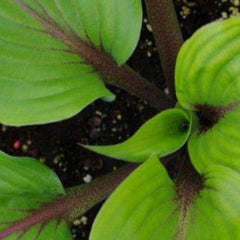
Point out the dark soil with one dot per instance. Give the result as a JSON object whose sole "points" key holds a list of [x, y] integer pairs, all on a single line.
{"points": [[57, 144]]}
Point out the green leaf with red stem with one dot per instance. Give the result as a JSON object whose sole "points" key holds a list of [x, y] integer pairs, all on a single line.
{"points": [[148, 205], [208, 82], [26, 186], [51, 52], [33, 204]]}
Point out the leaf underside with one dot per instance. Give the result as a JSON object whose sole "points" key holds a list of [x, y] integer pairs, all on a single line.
{"points": [[25, 185], [43, 75], [147, 206], [162, 135]]}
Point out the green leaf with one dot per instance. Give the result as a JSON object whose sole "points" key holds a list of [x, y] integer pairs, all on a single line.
{"points": [[207, 70], [147, 206], [163, 134], [116, 24], [218, 145], [26, 184], [43, 75], [207, 74], [139, 206]]}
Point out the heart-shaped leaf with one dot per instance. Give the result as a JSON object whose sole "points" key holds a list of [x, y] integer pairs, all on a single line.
{"points": [[25, 185], [44, 75], [207, 70], [148, 205], [163, 134]]}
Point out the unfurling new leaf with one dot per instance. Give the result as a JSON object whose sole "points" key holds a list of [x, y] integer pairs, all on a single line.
{"points": [[163, 134]]}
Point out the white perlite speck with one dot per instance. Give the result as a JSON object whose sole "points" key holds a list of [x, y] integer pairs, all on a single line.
{"points": [[88, 178]]}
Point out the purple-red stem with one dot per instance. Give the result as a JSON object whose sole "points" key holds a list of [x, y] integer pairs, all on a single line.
{"points": [[77, 202], [122, 77], [167, 34]]}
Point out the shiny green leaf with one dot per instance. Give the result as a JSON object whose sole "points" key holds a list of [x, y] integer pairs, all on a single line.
{"points": [[163, 134], [147, 206], [218, 145], [207, 70], [25, 184], [208, 75], [42, 78]]}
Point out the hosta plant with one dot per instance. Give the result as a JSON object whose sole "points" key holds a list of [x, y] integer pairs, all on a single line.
{"points": [[58, 56]]}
